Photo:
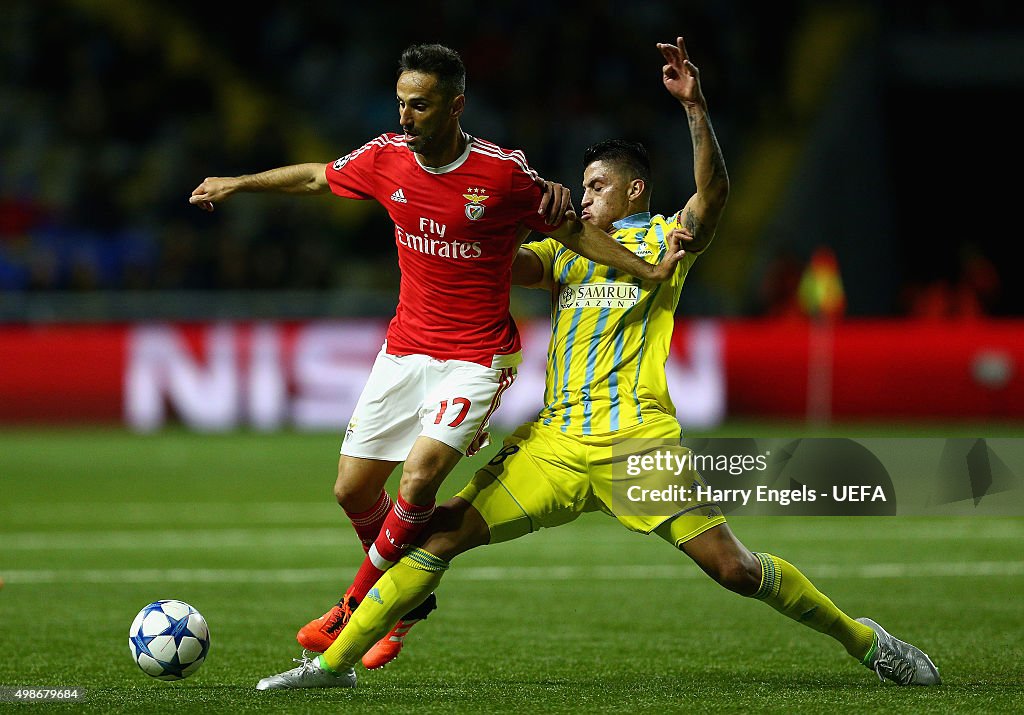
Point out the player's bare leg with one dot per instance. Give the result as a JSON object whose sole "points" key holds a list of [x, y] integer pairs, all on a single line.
{"points": [[456, 528], [429, 464], [360, 481], [783, 587], [722, 557]]}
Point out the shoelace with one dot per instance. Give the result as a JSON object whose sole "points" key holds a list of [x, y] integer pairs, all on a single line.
{"points": [[338, 621], [305, 662], [896, 667]]}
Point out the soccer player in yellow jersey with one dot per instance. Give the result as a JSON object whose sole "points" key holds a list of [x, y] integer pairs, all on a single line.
{"points": [[605, 383]]}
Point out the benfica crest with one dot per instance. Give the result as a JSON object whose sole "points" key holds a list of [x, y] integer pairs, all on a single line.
{"points": [[475, 207]]}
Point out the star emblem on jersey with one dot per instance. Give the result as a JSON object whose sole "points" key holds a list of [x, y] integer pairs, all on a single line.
{"points": [[399, 196], [475, 207]]}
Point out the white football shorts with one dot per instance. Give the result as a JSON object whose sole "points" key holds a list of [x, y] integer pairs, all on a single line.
{"points": [[411, 395]]}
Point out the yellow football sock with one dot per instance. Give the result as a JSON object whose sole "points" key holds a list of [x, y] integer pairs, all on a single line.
{"points": [[402, 587], [789, 592]]}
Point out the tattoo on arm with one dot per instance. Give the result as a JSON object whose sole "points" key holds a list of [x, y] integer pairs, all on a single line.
{"points": [[700, 217], [693, 224], [696, 134]]}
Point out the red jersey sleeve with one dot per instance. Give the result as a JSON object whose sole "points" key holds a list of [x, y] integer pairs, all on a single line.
{"points": [[526, 195], [353, 176]]}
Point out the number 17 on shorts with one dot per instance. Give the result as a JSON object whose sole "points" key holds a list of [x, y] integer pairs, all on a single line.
{"points": [[407, 396]]}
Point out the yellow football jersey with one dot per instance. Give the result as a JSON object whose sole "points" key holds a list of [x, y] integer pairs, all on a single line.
{"points": [[610, 332]]}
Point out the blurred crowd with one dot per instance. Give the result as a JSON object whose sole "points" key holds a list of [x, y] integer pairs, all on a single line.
{"points": [[112, 112]]}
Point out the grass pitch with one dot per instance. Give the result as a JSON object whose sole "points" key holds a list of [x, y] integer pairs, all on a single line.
{"points": [[585, 618]]}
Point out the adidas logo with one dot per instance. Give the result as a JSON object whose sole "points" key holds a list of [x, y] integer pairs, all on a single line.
{"points": [[644, 251], [374, 595], [399, 196]]}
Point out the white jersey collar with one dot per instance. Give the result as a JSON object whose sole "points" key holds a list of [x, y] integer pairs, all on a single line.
{"points": [[453, 165]]}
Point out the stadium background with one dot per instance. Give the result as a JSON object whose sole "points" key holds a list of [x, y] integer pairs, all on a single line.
{"points": [[862, 282], [843, 125]]}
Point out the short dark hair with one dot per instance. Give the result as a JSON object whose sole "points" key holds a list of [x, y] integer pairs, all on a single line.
{"points": [[440, 61], [629, 156]]}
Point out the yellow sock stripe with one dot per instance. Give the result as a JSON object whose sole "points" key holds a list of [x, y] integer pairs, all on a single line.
{"points": [[771, 577], [424, 561]]}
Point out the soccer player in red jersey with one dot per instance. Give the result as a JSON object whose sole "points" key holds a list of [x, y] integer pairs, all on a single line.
{"points": [[460, 206]]}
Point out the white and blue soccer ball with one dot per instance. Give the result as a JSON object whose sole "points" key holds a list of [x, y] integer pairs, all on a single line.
{"points": [[169, 640]]}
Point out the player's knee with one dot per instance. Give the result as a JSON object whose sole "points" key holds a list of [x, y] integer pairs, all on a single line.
{"points": [[739, 573], [419, 485], [353, 495]]}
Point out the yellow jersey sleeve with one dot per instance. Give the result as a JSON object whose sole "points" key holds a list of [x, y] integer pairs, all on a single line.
{"points": [[545, 249]]}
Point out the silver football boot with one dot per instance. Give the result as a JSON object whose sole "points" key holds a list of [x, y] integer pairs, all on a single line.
{"points": [[308, 674], [898, 661]]}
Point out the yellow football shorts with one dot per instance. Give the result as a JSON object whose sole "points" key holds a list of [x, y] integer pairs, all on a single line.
{"points": [[543, 478]]}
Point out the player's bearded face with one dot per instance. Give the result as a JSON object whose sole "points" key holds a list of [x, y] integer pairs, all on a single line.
{"points": [[424, 112], [605, 195]]}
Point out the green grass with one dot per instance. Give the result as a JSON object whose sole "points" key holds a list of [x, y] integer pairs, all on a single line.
{"points": [[94, 524]]}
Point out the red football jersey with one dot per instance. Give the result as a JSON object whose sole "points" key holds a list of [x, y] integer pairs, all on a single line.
{"points": [[455, 228]]}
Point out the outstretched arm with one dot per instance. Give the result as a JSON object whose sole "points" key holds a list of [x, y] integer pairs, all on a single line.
{"points": [[295, 179], [589, 242], [530, 271], [593, 243], [701, 214]]}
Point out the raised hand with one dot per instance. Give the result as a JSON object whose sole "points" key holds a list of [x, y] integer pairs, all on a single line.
{"points": [[676, 239], [556, 203], [680, 76]]}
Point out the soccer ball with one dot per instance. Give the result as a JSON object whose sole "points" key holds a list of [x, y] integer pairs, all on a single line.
{"points": [[169, 640]]}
